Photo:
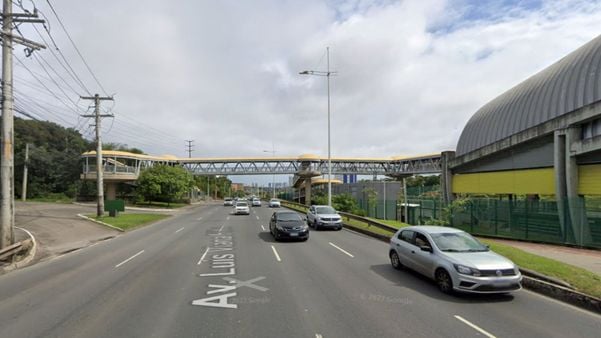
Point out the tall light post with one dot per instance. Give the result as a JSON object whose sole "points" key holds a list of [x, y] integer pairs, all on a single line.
{"points": [[272, 151], [327, 74]]}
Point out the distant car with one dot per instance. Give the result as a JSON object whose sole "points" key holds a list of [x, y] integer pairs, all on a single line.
{"points": [[241, 208], [256, 202], [228, 202], [274, 203], [323, 216], [454, 259], [287, 224]]}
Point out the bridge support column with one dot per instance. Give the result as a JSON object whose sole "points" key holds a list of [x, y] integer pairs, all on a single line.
{"points": [[446, 177], [577, 210], [111, 190], [308, 191], [559, 166]]}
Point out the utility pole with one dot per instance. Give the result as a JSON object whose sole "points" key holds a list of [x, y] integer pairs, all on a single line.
{"points": [[24, 187], [189, 146], [7, 153], [99, 169]]}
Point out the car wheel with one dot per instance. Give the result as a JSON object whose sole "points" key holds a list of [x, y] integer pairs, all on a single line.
{"points": [[444, 281], [339, 228], [395, 260]]}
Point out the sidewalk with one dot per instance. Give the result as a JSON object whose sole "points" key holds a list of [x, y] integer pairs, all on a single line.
{"points": [[584, 258]]}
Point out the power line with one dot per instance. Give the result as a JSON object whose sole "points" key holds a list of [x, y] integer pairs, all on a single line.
{"points": [[75, 46], [45, 87]]}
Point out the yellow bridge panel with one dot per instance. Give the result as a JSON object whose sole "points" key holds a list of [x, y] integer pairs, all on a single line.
{"points": [[589, 179], [521, 182]]}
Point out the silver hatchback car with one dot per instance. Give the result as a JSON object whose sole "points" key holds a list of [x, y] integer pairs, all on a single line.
{"points": [[454, 259]]}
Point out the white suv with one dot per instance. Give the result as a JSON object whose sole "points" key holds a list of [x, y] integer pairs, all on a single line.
{"points": [[241, 207], [323, 216]]}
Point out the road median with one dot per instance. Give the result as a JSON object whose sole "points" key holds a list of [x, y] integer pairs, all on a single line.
{"points": [[126, 222]]}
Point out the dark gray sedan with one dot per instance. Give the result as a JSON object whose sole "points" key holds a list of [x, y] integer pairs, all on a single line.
{"points": [[288, 224]]}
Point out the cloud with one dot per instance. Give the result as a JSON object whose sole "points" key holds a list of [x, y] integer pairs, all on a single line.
{"points": [[225, 73]]}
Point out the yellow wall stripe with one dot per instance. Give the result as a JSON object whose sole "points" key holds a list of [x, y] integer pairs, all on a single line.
{"points": [[589, 177], [521, 182]]}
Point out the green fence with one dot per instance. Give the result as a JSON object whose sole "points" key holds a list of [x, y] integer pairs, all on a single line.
{"points": [[380, 209], [532, 220]]}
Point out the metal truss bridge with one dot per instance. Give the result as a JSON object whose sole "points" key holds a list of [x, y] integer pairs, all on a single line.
{"points": [[125, 166]]}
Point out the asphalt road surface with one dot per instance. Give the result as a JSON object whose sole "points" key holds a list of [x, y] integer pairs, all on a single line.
{"points": [[206, 273]]}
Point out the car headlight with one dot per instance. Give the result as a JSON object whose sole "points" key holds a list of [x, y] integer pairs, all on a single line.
{"points": [[279, 227], [466, 270]]}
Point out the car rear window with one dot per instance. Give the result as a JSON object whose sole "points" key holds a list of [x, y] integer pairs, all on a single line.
{"points": [[288, 216]]}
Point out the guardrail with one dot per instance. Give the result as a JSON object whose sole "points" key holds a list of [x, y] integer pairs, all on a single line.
{"points": [[348, 217], [10, 250]]}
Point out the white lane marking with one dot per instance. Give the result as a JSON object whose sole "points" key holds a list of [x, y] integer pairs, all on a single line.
{"points": [[203, 256], [199, 218], [178, 230], [317, 335], [227, 218], [276, 254], [221, 229], [341, 249], [474, 326], [129, 259], [257, 217], [262, 227]]}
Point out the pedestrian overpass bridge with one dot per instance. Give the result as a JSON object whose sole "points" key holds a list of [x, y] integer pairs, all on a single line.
{"points": [[125, 166], [120, 166]]}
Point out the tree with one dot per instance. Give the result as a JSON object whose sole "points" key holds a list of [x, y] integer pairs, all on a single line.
{"points": [[164, 183], [54, 157]]}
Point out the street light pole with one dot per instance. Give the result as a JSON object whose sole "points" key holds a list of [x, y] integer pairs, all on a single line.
{"points": [[329, 148], [327, 74]]}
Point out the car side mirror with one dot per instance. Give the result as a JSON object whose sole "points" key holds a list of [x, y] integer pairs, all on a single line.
{"points": [[426, 248]]}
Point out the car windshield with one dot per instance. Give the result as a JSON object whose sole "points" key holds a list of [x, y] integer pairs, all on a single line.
{"points": [[289, 216], [325, 210], [273, 200], [241, 204], [457, 242]]}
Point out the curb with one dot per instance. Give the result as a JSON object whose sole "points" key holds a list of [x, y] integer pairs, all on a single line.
{"points": [[563, 294], [381, 237], [129, 208], [99, 222], [27, 259]]}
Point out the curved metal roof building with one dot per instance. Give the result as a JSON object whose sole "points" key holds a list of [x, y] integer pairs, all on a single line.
{"points": [[570, 84]]}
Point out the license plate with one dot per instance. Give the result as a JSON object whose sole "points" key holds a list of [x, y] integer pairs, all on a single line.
{"points": [[293, 234]]}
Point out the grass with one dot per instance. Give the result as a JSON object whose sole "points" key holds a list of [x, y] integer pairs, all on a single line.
{"points": [[392, 223], [581, 279], [52, 198], [160, 205], [366, 226], [130, 221]]}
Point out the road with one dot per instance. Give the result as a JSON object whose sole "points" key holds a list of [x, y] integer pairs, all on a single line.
{"points": [[206, 273]]}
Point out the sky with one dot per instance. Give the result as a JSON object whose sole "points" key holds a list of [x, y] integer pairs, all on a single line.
{"points": [[409, 74]]}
